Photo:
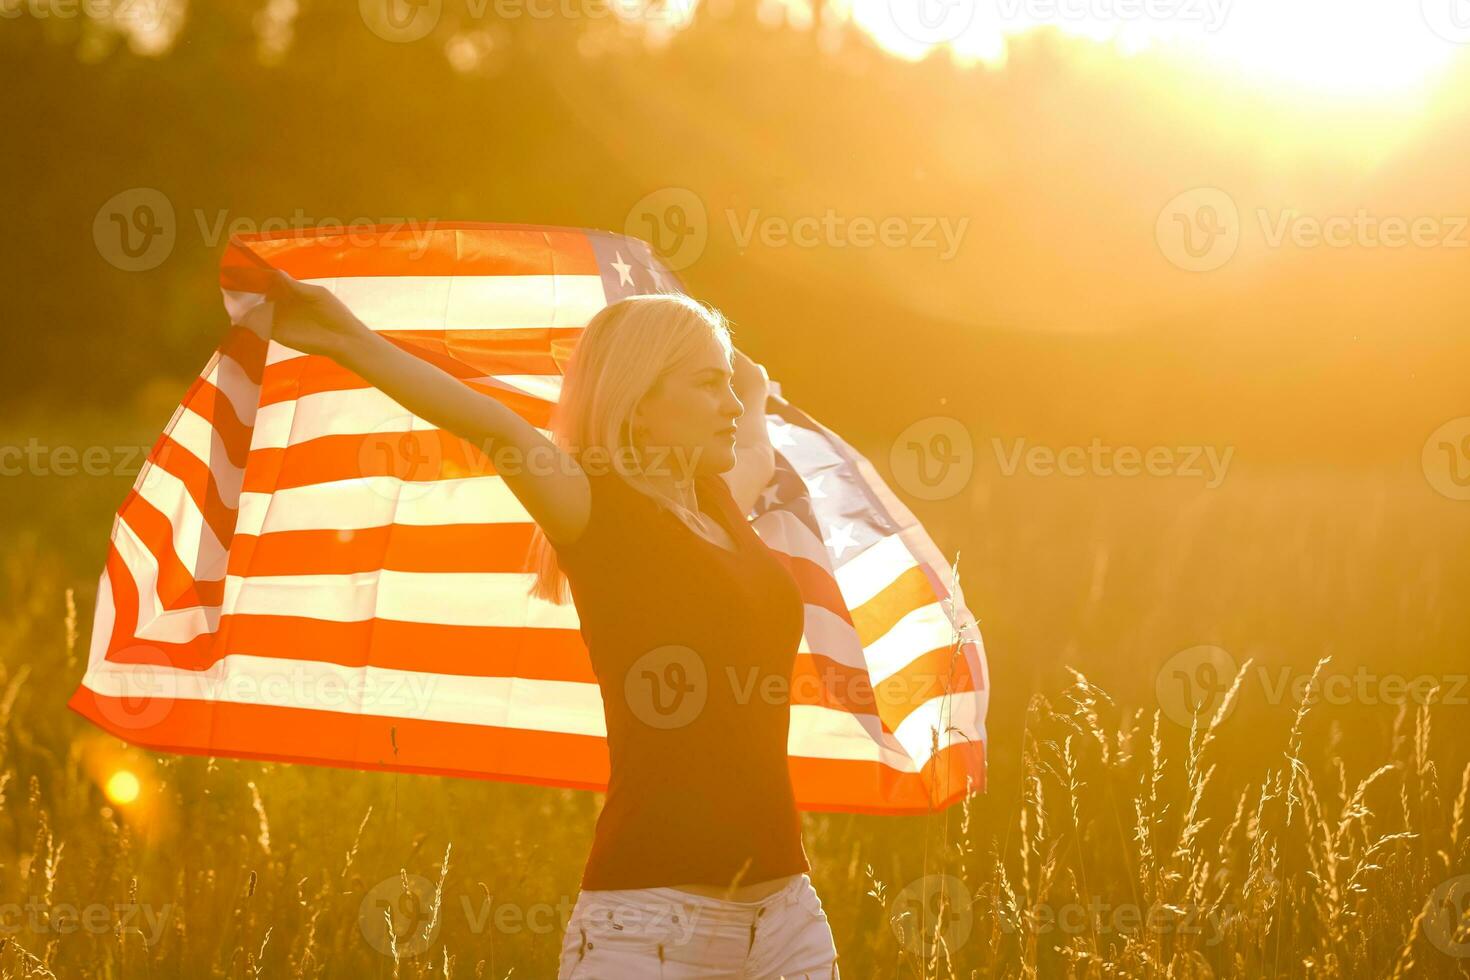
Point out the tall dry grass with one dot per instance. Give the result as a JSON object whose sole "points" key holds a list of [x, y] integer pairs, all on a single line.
{"points": [[1296, 839]]}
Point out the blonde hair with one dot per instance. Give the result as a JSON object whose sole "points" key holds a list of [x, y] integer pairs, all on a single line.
{"points": [[623, 354]]}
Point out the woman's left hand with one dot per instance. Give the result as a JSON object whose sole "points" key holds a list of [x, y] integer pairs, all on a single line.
{"points": [[750, 381]]}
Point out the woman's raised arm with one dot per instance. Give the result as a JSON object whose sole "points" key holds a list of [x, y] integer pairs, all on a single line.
{"points": [[547, 481]]}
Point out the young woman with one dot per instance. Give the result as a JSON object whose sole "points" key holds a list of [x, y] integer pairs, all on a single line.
{"points": [[640, 499]]}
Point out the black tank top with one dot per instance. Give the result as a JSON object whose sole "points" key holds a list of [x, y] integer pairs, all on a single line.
{"points": [[693, 647]]}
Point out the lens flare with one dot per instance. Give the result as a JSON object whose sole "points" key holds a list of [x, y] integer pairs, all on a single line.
{"points": [[122, 788], [1370, 47]]}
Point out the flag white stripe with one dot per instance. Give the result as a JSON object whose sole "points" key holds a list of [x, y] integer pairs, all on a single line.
{"points": [[783, 531], [351, 505], [569, 707], [445, 304], [964, 712], [410, 303], [154, 622], [235, 385], [193, 540], [194, 433], [829, 635], [867, 574], [441, 598], [348, 412], [915, 634]]}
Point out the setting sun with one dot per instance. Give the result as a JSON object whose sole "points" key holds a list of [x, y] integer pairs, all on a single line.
{"points": [[867, 489], [122, 787], [1369, 48]]}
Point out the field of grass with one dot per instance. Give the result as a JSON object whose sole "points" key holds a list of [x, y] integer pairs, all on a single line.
{"points": [[1277, 836]]}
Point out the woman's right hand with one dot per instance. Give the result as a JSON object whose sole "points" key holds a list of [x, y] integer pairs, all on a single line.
{"points": [[311, 319]]}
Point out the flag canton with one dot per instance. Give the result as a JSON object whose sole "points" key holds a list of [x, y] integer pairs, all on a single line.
{"points": [[820, 486], [630, 267]]}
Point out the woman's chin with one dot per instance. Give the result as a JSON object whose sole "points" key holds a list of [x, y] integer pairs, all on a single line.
{"points": [[717, 458]]}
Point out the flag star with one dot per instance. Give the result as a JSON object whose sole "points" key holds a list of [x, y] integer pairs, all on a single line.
{"points": [[814, 486], [770, 497], [841, 539], [625, 277], [781, 434]]}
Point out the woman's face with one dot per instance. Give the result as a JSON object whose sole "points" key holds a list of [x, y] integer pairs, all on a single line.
{"points": [[689, 417]]}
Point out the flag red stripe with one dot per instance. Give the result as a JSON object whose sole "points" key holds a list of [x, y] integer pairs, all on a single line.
{"points": [[533, 652], [433, 249], [400, 547], [362, 741], [415, 455], [441, 748], [247, 349], [210, 404], [229, 402], [177, 586], [199, 482], [815, 583], [300, 376]]}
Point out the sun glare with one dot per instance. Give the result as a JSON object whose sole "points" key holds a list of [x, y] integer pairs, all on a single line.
{"points": [[122, 787], [1347, 47]]}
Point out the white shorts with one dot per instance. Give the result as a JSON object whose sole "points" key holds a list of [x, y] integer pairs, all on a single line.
{"points": [[668, 934]]}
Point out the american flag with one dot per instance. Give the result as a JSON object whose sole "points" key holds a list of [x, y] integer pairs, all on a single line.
{"points": [[305, 572]]}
